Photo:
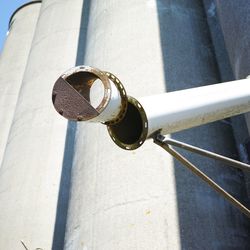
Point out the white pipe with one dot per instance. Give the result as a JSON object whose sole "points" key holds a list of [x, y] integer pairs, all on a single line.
{"points": [[131, 121], [114, 106], [179, 110], [79, 96], [175, 111]]}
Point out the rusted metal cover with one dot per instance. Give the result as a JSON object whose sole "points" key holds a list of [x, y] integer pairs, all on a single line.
{"points": [[69, 103]]}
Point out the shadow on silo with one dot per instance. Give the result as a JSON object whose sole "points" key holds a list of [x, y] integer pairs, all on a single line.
{"points": [[205, 219], [64, 189]]}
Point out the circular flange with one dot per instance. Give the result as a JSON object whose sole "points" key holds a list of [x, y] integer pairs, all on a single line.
{"points": [[71, 93], [143, 131], [124, 98]]}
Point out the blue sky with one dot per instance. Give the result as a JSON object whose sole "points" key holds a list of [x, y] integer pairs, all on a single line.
{"points": [[6, 10]]}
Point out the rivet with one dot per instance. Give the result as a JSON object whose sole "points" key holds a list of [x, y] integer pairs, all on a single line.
{"points": [[79, 117], [54, 96]]}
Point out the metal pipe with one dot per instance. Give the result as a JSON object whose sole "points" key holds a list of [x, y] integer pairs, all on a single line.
{"points": [[179, 110], [138, 120], [87, 94]]}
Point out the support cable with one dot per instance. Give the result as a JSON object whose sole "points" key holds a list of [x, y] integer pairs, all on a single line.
{"points": [[165, 143]]}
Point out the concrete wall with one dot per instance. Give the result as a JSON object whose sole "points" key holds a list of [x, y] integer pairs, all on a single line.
{"points": [[234, 20], [37, 161], [119, 199], [143, 199], [13, 61]]}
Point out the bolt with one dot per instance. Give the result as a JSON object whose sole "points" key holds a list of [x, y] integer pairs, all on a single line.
{"points": [[79, 118], [54, 97]]}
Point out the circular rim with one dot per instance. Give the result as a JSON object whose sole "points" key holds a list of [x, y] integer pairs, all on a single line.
{"points": [[144, 133], [100, 75], [124, 98]]}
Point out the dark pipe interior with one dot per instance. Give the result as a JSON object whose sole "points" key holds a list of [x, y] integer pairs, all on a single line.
{"points": [[129, 130], [82, 82]]}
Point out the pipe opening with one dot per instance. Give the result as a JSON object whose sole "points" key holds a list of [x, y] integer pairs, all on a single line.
{"points": [[88, 85], [97, 92], [81, 93], [131, 131]]}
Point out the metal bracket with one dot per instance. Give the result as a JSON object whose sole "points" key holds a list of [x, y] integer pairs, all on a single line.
{"points": [[167, 143]]}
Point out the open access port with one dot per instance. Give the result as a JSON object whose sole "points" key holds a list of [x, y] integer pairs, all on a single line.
{"points": [[89, 85], [132, 130], [81, 93]]}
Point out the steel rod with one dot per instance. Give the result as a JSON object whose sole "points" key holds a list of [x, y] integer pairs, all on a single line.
{"points": [[203, 176], [191, 148]]}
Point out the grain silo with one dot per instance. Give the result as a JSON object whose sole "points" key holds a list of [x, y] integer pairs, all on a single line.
{"points": [[66, 185]]}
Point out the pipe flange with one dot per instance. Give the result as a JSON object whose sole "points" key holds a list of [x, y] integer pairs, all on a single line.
{"points": [[124, 98], [142, 136]]}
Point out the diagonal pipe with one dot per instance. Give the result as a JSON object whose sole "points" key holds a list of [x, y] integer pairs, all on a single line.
{"points": [[131, 121]]}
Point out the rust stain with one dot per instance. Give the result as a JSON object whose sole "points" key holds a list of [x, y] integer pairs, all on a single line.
{"points": [[69, 103]]}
